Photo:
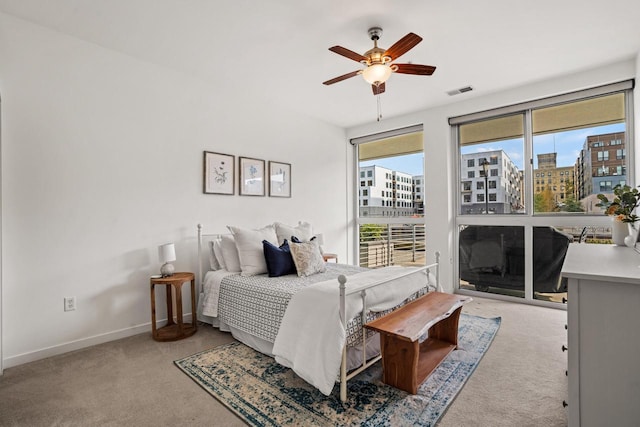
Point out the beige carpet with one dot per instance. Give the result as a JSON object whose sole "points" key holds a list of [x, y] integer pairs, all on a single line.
{"points": [[520, 381]]}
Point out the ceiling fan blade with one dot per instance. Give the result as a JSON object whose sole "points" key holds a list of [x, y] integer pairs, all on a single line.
{"points": [[378, 89], [402, 46], [341, 78], [348, 53], [421, 70]]}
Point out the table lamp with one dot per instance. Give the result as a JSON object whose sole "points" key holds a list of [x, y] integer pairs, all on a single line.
{"points": [[167, 253]]}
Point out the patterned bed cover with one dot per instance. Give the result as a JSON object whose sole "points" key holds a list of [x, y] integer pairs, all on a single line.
{"points": [[256, 304]]}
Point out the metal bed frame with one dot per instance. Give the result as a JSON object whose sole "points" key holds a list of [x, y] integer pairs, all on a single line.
{"points": [[344, 293], [344, 376]]}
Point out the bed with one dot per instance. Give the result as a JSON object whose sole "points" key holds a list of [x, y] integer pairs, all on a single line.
{"points": [[279, 316]]}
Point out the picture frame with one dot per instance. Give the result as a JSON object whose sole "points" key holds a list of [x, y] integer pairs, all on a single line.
{"points": [[252, 177], [219, 173], [279, 179]]}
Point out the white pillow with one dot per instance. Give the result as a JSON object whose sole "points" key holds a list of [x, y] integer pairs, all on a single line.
{"points": [[307, 258], [230, 254], [217, 251], [250, 248], [213, 261], [302, 231]]}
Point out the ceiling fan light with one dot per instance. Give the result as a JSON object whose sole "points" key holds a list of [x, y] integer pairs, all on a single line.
{"points": [[376, 74]]}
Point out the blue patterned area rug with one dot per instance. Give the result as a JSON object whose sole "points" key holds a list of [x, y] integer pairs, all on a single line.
{"points": [[262, 392]]}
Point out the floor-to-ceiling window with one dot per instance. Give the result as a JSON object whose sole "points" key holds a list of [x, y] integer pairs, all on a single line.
{"points": [[390, 188], [528, 178]]}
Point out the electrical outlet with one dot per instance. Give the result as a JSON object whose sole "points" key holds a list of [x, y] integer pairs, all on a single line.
{"points": [[69, 303]]}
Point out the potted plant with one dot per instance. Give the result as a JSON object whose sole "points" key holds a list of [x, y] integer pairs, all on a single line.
{"points": [[623, 204], [621, 208]]}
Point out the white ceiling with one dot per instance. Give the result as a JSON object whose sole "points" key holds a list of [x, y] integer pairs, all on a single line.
{"points": [[278, 50]]}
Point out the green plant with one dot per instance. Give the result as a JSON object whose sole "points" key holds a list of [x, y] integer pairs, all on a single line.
{"points": [[371, 232], [623, 204]]}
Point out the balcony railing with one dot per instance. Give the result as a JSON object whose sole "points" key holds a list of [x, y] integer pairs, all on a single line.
{"points": [[382, 245]]}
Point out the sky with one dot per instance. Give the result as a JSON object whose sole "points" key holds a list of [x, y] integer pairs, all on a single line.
{"points": [[567, 144], [411, 163]]}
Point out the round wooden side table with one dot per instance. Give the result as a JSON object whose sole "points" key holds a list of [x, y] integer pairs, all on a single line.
{"points": [[177, 330]]}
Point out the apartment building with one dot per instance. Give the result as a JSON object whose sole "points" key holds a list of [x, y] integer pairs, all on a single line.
{"points": [[418, 193], [601, 165], [499, 191], [385, 192]]}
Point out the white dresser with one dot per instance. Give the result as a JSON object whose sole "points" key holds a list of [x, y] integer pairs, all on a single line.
{"points": [[603, 335]]}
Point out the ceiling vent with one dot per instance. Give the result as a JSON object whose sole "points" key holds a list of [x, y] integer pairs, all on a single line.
{"points": [[461, 90]]}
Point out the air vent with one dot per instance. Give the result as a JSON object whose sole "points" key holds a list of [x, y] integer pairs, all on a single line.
{"points": [[461, 90]]}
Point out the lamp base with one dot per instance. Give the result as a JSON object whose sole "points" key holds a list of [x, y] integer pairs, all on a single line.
{"points": [[167, 269]]}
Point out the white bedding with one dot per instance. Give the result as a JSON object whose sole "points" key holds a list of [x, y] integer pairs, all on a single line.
{"points": [[256, 304], [211, 292], [313, 348]]}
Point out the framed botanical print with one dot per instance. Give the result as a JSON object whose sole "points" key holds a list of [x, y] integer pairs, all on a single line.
{"points": [[251, 177], [219, 174], [279, 179]]}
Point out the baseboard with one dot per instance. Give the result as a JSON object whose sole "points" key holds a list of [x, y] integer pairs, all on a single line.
{"points": [[55, 350]]}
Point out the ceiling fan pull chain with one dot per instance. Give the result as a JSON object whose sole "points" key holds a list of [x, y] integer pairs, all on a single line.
{"points": [[379, 108]]}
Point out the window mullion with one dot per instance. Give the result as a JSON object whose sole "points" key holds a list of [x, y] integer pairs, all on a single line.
{"points": [[528, 165]]}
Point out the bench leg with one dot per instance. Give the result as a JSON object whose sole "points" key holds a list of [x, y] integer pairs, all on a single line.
{"points": [[400, 363], [447, 329]]}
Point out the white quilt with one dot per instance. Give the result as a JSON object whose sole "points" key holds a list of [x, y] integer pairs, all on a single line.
{"points": [[312, 335]]}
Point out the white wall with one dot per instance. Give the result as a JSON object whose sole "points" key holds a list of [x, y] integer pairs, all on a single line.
{"points": [[440, 153], [102, 162]]}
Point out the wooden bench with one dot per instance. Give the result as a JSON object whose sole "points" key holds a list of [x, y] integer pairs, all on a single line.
{"points": [[406, 362]]}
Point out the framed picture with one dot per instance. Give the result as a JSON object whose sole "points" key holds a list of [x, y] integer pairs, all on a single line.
{"points": [[279, 179], [219, 174], [251, 177]]}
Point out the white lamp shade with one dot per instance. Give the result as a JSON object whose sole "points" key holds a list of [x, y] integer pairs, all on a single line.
{"points": [[167, 252], [376, 73]]}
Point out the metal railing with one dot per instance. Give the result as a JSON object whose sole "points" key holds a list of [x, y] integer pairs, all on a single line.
{"points": [[382, 245], [589, 234]]}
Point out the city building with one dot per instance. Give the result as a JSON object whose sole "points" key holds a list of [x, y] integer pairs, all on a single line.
{"points": [[385, 192], [498, 192], [418, 194], [549, 177], [601, 165]]}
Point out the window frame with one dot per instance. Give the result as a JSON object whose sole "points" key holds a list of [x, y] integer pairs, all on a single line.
{"points": [[393, 188], [525, 109], [530, 219]]}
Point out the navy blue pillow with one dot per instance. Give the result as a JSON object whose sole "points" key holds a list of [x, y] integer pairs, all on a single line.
{"points": [[279, 260]]}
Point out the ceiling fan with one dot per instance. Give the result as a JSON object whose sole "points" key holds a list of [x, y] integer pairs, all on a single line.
{"points": [[378, 61]]}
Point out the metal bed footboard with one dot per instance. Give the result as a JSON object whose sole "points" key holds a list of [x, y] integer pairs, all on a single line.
{"points": [[344, 376]]}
